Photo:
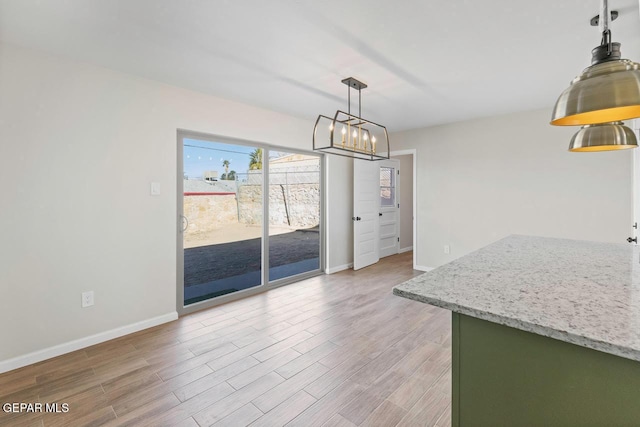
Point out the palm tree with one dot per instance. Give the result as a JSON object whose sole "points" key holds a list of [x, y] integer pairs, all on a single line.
{"points": [[226, 164], [255, 159], [231, 176]]}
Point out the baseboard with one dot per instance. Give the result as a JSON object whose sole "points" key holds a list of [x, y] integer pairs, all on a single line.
{"points": [[338, 268], [422, 268], [58, 350], [407, 249]]}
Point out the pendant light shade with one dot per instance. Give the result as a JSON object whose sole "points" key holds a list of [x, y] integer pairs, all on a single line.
{"points": [[605, 92], [603, 137]]}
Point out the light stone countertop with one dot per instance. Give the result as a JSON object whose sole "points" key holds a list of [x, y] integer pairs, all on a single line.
{"points": [[584, 293]]}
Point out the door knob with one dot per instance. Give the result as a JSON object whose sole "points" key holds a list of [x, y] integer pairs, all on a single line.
{"points": [[635, 239], [355, 218], [379, 213]]}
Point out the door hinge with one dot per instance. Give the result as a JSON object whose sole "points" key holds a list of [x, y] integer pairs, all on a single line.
{"points": [[398, 239], [398, 171], [398, 205]]}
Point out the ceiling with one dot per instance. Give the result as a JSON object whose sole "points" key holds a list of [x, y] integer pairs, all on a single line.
{"points": [[425, 62]]}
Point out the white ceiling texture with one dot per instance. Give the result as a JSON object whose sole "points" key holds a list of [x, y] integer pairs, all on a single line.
{"points": [[426, 62]]}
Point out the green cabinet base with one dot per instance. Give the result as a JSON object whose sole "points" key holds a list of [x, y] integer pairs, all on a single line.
{"points": [[507, 377]]}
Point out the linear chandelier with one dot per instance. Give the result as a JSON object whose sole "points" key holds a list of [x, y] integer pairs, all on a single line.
{"points": [[602, 96], [349, 135]]}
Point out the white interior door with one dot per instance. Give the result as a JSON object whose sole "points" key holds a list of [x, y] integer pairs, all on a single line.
{"points": [[389, 215], [366, 195]]}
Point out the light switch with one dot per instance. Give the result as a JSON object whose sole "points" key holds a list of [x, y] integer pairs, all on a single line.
{"points": [[155, 188]]}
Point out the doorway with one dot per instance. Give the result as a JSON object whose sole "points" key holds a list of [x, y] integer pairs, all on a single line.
{"points": [[408, 201], [373, 188], [249, 218]]}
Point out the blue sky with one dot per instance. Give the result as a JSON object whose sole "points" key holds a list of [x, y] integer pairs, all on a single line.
{"points": [[200, 156]]}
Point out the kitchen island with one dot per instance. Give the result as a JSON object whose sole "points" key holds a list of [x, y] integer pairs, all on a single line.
{"points": [[544, 332]]}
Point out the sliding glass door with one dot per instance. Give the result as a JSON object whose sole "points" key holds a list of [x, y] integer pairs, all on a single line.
{"points": [[222, 230], [294, 214], [226, 190]]}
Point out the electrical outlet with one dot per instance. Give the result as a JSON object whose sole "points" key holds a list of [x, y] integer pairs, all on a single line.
{"points": [[447, 249], [87, 299]]}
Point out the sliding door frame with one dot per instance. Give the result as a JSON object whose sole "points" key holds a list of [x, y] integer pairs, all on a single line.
{"points": [[183, 134]]}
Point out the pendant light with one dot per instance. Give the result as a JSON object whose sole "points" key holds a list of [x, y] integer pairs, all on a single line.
{"points": [[607, 91], [351, 135], [603, 137]]}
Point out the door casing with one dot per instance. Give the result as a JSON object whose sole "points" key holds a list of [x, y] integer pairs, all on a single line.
{"points": [[390, 215]]}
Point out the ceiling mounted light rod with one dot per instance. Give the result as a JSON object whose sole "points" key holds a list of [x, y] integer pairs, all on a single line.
{"points": [[358, 138], [604, 27], [358, 85], [604, 16]]}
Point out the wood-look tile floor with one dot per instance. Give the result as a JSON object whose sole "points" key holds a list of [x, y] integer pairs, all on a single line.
{"points": [[334, 350]]}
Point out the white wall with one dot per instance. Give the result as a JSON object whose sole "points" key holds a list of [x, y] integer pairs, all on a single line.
{"points": [[481, 180], [405, 198], [79, 146]]}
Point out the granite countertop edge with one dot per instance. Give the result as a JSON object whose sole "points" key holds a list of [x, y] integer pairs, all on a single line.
{"points": [[542, 330]]}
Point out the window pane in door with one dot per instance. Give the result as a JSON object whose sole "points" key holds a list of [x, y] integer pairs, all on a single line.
{"points": [[222, 219], [294, 214], [387, 186]]}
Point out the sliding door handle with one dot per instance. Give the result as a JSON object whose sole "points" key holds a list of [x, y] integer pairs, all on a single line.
{"points": [[185, 224]]}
